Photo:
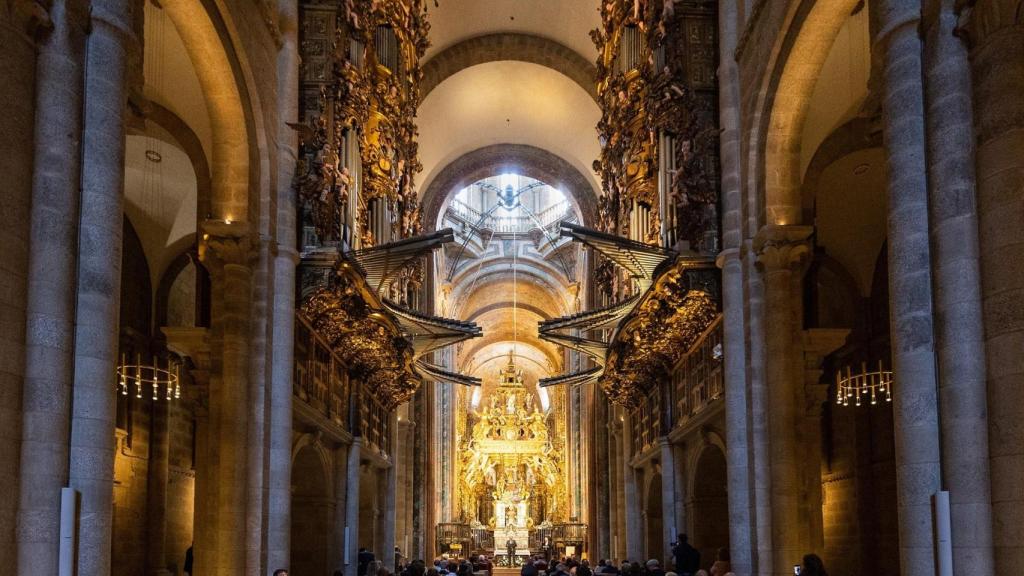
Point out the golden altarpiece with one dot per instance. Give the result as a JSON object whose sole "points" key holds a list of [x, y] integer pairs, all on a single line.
{"points": [[510, 479]]}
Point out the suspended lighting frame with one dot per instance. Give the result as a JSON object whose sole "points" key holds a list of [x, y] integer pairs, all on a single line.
{"points": [[162, 381], [871, 385]]}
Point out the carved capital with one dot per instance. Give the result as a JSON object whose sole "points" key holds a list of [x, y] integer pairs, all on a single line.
{"points": [[726, 255], [783, 247], [226, 244], [30, 17]]}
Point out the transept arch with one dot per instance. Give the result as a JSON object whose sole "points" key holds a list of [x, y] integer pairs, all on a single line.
{"points": [[795, 56], [207, 36], [312, 504], [509, 46]]}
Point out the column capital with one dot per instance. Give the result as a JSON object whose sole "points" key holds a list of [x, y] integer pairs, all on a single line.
{"points": [[978, 21], [726, 255], [29, 17], [226, 243], [779, 247]]}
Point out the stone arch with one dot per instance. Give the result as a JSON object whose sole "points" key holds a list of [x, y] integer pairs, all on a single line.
{"points": [[208, 37], [490, 160], [794, 58], [180, 264], [708, 504], [509, 46], [857, 134], [189, 142], [312, 509], [654, 518]]}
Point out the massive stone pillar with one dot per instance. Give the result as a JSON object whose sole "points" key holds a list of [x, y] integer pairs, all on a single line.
{"points": [[18, 27], [742, 543], [631, 493], [352, 508], [915, 403], [228, 256], [389, 507], [337, 545], [283, 311], [670, 481], [53, 241], [782, 254], [761, 477], [817, 344], [156, 490], [93, 408], [997, 58], [956, 273]]}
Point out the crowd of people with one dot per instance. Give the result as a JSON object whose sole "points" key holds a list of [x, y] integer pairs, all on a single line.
{"points": [[686, 561]]}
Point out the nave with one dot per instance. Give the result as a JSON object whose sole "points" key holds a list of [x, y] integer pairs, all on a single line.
{"points": [[512, 287]]}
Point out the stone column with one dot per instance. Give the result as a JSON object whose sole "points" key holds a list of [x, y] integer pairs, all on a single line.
{"points": [[761, 478], [156, 490], [228, 256], [19, 22], [337, 548], [956, 272], [194, 344], [257, 444], [283, 325], [93, 409], [742, 540], [633, 522], [915, 407], [669, 481], [616, 520], [390, 507], [53, 259], [352, 507], [997, 58], [817, 344], [782, 253], [280, 406]]}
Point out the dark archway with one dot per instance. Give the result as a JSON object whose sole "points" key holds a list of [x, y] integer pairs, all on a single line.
{"points": [[369, 510], [710, 505], [654, 520], [311, 513]]}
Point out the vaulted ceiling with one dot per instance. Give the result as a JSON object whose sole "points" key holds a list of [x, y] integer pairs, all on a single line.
{"points": [[529, 90]]}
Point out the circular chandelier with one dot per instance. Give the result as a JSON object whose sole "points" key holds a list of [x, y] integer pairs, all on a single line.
{"points": [[866, 384], [161, 381]]}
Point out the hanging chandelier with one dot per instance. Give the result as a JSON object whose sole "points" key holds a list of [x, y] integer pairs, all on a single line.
{"points": [[160, 381], [866, 384]]}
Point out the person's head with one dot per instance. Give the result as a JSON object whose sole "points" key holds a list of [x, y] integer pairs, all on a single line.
{"points": [[702, 572], [382, 571], [683, 538], [813, 566], [432, 571], [671, 574], [281, 572], [653, 564]]}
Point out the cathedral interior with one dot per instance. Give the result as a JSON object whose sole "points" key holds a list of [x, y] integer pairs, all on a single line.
{"points": [[315, 287]]}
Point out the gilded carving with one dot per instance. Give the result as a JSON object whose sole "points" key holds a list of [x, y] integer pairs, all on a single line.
{"points": [[679, 308], [656, 77], [360, 98], [373, 348]]}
